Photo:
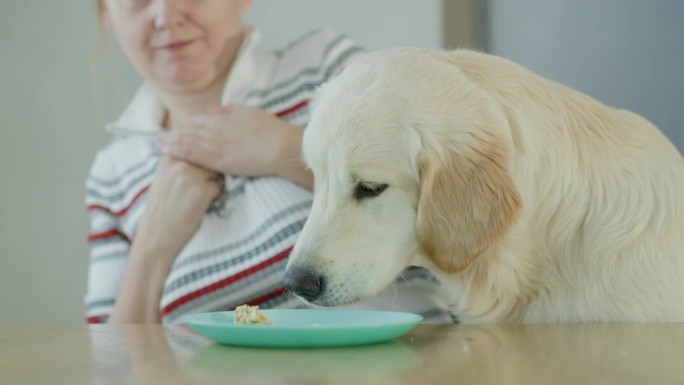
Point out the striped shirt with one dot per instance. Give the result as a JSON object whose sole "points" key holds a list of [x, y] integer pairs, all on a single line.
{"points": [[239, 256]]}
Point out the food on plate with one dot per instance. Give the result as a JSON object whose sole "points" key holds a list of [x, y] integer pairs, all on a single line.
{"points": [[245, 314]]}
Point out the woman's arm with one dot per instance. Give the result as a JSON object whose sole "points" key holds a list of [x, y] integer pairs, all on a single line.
{"points": [[176, 202], [289, 163], [141, 290]]}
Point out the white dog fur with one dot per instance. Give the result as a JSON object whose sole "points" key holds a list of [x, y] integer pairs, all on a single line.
{"points": [[532, 201]]}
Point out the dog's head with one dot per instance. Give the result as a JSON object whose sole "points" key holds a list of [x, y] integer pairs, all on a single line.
{"points": [[411, 167]]}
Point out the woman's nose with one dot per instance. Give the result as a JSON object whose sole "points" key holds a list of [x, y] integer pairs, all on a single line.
{"points": [[169, 13]]}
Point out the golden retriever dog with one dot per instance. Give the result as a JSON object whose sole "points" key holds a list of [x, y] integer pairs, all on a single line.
{"points": [[531, 201]]}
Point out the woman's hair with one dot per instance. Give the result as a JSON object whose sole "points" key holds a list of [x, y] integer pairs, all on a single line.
{"points": [[99, 9], [101, 54]]}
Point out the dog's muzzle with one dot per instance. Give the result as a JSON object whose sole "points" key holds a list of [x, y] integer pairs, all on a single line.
{"points": [[304, 282]]}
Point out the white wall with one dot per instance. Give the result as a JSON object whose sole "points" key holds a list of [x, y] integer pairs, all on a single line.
{"points": [[625, 53], [373, 23], [50, 119], [52, 112]]}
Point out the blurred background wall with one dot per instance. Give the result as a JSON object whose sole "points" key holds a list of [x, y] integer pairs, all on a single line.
{"points": [[625, 53], [61, 80]]}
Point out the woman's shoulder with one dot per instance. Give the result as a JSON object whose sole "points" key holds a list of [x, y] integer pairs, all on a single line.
{"points": [[320, 46], [317, 38], [322, 51]]}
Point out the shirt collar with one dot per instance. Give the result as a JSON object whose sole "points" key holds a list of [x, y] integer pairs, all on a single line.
{"points": [[144, 114]]}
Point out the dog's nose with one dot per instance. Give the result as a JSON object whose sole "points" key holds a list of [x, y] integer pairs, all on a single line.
{"points": [[303, 282]]}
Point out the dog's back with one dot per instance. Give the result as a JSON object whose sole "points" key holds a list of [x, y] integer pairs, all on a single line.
{"points": [[533, 201], [603, 200]]}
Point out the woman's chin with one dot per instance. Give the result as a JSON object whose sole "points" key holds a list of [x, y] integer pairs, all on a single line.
{"points": [[184, 78]]}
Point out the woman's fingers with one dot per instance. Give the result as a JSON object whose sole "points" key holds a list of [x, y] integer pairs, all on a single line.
{"points": [[221, 109], [193, 133], [200, 153], [207, 140]]}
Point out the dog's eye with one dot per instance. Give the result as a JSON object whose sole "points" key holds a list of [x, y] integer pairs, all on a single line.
{"points": [[368, 190]]}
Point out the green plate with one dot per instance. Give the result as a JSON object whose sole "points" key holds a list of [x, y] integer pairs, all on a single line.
{"points": [[305, 328]]}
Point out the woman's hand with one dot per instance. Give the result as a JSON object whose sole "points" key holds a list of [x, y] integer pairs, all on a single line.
{"points": [[240, 140], [175, 204]]}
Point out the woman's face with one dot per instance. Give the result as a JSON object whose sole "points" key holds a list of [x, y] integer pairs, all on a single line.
{"points": [[178, 45]]}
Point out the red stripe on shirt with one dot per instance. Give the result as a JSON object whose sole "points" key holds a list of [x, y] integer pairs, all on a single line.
{"points": [[292, 109], [265, 297], [107, 234], [123, 211], [98, 207], [225, 282], [94, 320]]}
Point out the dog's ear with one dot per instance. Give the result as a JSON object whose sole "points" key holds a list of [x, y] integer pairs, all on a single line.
{"points": [[467, 201]]}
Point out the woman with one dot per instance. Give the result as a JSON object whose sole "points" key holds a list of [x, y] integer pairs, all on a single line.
{"points": [[197, 201]]}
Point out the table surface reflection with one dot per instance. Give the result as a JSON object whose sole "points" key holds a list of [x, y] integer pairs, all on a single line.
{"points": [[430, 354]]}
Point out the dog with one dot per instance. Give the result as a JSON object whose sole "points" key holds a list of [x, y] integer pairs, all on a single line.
{"points": [[532, 202]]}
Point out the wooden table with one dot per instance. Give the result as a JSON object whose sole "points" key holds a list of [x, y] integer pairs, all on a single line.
{"points": [[640, 354]]}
